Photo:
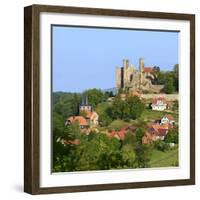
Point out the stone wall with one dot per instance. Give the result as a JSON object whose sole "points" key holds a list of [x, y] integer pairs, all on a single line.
{"points": [[168, 97]]}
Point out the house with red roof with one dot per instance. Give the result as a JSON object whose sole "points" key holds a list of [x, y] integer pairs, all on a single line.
{"points": [[80, 119], [148, 71], [155, 132], [167, 119], [122, 132], [120, 135], [90, 118]]}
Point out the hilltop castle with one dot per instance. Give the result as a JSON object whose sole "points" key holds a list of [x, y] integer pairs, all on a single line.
{"points": [[130, 79]]}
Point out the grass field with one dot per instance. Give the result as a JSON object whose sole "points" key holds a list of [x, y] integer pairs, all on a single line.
{"points": [[164, 159], [151, 115], [117, 124]]}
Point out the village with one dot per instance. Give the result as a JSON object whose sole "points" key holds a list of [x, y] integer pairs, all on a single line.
{"points": [[141, 119], [156, 128]]}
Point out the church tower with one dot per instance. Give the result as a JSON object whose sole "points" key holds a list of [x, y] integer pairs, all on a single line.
{"points": [[85, 106]]}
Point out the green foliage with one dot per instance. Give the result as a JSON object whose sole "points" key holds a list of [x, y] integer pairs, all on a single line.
{"points": [[143, 154], [161, 145], [104, 119], [97, 151], [131, 108], [128, 156], [83, 113], [61, 161], [172, 136], [72, 132], [169, 85], [176, 76], [95, 96], [109, 94], [170, 79], [139, 135], [164, 158], [58, 125], [130, 139], [118, 110], [136, 107], [66, 104], [175, 106], [117, 124]]}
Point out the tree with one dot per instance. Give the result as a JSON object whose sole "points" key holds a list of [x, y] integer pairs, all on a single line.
{"points": [[72, 131], [136, 107], [143, 154], [176, 76], [58, 125], [155, 73], [130, 139], [109, 94], [139, 135], [175, 106], [131, 108], [169, 85], [172, 136], [83, 113], [95, 96], [161, 145], [66, 104], [128, 156], [104, 119], [75, 102], [161, 76], [98, 153], [61, 159], [117, 109]]}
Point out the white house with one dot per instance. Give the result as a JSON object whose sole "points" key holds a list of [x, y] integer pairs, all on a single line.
{"points": [[159, 104], [167, 119]]}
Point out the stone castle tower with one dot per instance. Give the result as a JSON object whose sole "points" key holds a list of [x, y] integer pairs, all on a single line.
{"points": [[128, 78]]}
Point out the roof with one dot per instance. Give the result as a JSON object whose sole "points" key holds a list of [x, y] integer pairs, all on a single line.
{"points": [[168, 125], [158, 129], [170, 117], [162, 132], [90, 114], [129, 128], [147, 69], [82, 121], [155, 100], [119, 134]]}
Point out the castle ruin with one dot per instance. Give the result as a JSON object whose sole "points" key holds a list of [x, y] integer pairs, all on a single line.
{"points": [[128, 78]]}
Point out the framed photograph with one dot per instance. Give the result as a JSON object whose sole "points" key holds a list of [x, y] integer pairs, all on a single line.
{"points": [[109, 99]]}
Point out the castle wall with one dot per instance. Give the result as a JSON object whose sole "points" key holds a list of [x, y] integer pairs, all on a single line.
{"points": [[168, 97], [141, 68], [135, 80], [118, 77]]}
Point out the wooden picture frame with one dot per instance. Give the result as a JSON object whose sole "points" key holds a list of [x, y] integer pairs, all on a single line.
{"points": [[32, 97]]}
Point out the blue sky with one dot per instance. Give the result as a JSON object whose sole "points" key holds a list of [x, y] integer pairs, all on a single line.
{"points": [[86, 58]]}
